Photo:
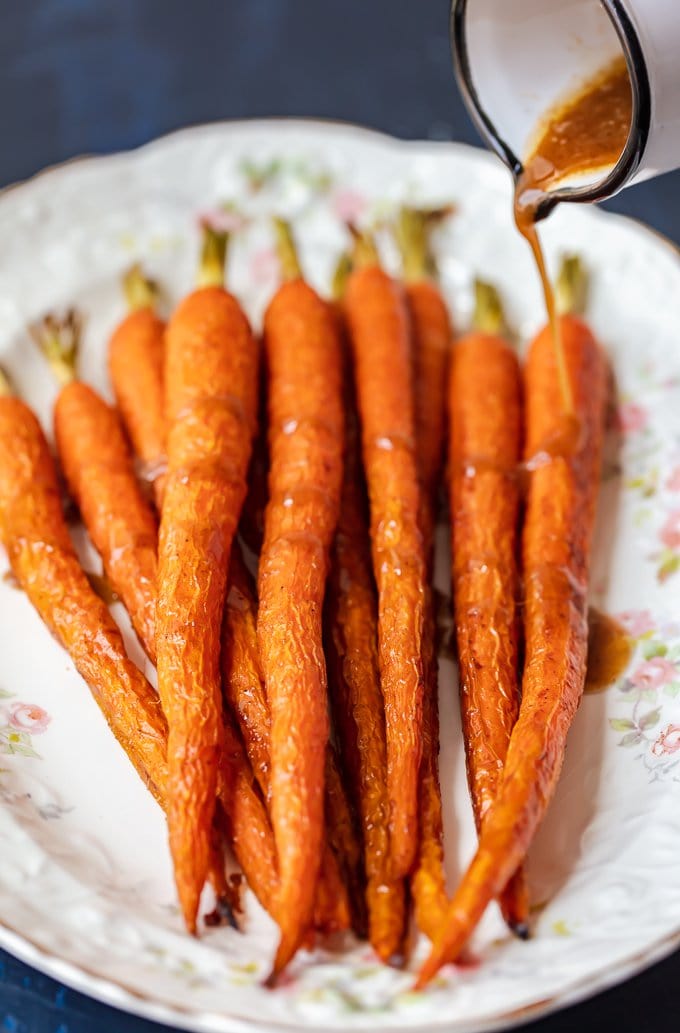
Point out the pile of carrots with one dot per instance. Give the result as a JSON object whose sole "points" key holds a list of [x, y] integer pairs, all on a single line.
{"points": [[265, 510]]}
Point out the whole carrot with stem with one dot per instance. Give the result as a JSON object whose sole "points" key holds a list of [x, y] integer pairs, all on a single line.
{"points": [[135, 360], [564, 460], [44, 562], [431, 342], [305, 443], [240, 661], [378, 328], [485, 399], [351, 642], [42, 557], [99, 472], [210, 383]]}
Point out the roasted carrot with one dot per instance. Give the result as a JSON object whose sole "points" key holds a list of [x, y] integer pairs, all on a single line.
{"points": [[351, 643], [379, 333], [431, 342], [305, 444], [136, 352], [485, 447], [245, 692], [210, 380], [564, 460], [357, 703], [99, 472], [43, 560]]}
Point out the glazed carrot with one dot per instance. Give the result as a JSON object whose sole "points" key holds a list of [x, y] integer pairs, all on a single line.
{"points": [[431, 341], [379, 332], [210, 398], [34, 533], [305, 444], [356, 699], [136, 352], [100, 476], [245, 693], [242, 680], [485, 442], [564, 460]]}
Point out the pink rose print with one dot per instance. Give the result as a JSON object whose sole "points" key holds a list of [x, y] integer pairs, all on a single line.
{"points": [[27, 717], [668, 741], [632, 417], [652, 674], [636, 622], [264, 266], [222, 220], [673, 482], [670, 530], [349, 205]]}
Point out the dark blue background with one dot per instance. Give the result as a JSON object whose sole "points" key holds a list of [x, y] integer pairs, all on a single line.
{"points": [[94, 76]]}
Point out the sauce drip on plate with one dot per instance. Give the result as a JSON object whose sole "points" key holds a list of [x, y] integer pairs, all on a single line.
{"points": [[610, 648]]}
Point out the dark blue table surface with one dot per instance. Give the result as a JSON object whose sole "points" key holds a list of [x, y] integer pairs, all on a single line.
{"points": [[85, 76]]}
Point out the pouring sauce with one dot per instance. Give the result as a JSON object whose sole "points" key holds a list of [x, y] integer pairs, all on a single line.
{"points": [[585, 133]]}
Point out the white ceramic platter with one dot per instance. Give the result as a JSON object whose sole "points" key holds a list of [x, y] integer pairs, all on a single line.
{"points": [[85, 885]]}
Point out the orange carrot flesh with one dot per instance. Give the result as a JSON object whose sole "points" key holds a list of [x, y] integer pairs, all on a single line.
{"points": [[379, 333], [306, 429], [136, 356], [485, 443], [99, 472], [43, 560], [210, 395], [356, 698], [556, 549], [432, 334]]}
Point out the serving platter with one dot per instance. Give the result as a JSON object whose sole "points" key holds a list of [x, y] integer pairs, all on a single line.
{"points": [[86, 891]]}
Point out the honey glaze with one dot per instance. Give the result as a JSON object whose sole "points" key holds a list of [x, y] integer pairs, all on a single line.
{"points": [[585, 133], [610, 649]]}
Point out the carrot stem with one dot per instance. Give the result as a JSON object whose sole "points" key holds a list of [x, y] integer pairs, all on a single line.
{"points": [[6, 388], [213, 257], [571, 287], [140, 291], [488, 316], [59, 341], [364, 251], [412, 231], [287, 251], [340, 276]]}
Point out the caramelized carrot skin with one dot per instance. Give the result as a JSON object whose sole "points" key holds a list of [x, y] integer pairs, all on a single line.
{"points": [[356, 698], [99, 472], [241, 672], [244, 692], [485, 406], [432, 333], [136, 356], [43, 560], [34, 532], [306, 429], [556, 551], [379, 332], [485, 446], [210, 393]]}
